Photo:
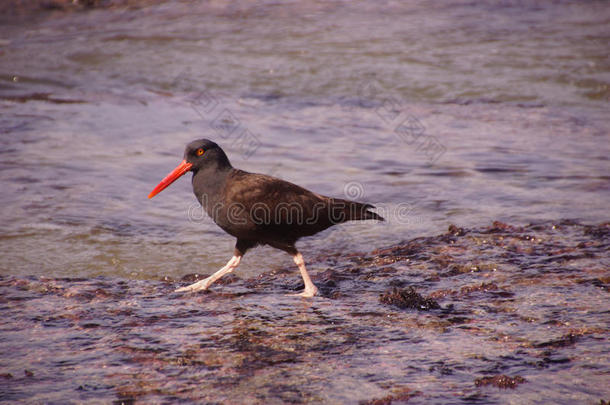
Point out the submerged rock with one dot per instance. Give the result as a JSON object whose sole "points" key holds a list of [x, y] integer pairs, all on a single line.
{"points": [[401, 395]]}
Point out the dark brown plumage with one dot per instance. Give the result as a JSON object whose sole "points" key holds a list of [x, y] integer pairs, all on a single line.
{"points": [[258, 209]]}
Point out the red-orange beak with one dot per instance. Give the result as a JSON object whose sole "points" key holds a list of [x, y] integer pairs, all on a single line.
{"points": [[170, 178]]}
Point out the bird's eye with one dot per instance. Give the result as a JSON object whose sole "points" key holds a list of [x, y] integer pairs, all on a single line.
{"points": [[200, 152]]}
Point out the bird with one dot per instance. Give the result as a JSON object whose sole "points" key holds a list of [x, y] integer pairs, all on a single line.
{"points": [[258, 209]]}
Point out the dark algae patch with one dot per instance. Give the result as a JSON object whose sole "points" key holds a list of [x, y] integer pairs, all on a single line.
{"points": [[408, 298], [438, 319], [500, 381]]}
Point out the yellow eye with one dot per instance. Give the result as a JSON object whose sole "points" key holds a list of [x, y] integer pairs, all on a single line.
{"points": [[200, 152]]}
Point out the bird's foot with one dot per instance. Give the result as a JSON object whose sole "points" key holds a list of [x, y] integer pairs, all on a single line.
{"points": [[201, 285], [307, 293]]}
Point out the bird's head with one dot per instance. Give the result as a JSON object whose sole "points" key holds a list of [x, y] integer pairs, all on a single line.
{"points": [[199, 154]]}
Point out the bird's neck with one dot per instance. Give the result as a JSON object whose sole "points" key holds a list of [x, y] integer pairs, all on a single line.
{"points": [[209, 184]]}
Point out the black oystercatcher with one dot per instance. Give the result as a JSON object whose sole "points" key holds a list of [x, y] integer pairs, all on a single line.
{"points": [[258, 209]]}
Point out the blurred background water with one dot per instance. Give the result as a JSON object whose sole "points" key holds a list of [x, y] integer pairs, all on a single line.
{"points": [[437, 112]]}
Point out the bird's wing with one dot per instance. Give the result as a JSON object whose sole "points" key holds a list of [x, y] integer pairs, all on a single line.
{"points": [[270, 205], [262, 194]]}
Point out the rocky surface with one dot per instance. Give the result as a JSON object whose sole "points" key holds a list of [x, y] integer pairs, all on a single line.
{"points": [[448, 318]]}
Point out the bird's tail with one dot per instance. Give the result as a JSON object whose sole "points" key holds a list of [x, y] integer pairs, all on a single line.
{"points": [[355, 211]]}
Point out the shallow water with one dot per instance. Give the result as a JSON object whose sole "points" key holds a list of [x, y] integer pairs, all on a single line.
{"points": [[436, 112], [523, 305]]}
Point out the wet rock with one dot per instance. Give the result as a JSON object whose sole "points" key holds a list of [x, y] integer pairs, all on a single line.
{"points": [[408, 298], [398, 283], [500, 381], [329, 279], [457, 269], [441, 368], [379, 273], [246, 342], [548, 360], [601, 231], [469, 289], [193, 278], [441, 293], [601, 282], [82, 293], [443, 260], [458, 320], [499, 227], [456, 231], [483, 287], [228, 279], [404, 249], [401, 395], [566, 340]]}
